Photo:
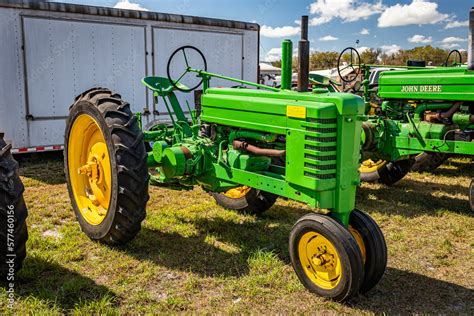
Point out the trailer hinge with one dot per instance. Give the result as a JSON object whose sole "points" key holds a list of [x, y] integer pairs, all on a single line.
{"points": [[30, 117], [146, 112]]}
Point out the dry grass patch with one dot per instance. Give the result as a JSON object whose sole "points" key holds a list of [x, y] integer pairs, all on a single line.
{"points": [[194, 256]]}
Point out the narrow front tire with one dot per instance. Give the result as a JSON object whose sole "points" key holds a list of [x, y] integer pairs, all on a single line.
{"points": [[326, 257]]}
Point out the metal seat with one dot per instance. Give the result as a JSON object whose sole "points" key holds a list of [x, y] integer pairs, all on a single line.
{"points": [[160, 85]]}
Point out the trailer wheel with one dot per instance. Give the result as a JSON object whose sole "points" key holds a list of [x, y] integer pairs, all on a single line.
{"points": [[245, 199], [471, 195], [326, 257], [13, 212], [106, 167], [372, 245], [427, 162]]}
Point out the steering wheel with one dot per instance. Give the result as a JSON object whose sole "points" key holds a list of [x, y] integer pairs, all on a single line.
{"points": [[353, 52], [449, 55], [182, 51]]}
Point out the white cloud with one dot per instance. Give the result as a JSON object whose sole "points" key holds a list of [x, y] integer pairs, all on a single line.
{"points": [[328, 38], [273, 54], [390, 49], [346, 10], [363, 49], [453, 39], [126, 4], [284, 31], [420, 39], [450, 45], [418, 12], [364, 32], [454, 24]]}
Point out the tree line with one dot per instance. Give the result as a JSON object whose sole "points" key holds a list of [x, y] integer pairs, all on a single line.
{"points": [[433, 56]]}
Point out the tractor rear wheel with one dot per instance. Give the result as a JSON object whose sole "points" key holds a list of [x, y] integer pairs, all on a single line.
{"points": [[369, 170], [106, 167], [245, 199], [387, 173], [427, 162], [13, 229], [394, 171], [326, 257], [372, 245], [471, 195]]}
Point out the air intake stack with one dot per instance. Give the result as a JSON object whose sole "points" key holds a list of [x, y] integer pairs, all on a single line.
{"points": [[303, 56]]}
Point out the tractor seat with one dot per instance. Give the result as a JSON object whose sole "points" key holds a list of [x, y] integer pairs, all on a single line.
{"points": [[162, 86]]}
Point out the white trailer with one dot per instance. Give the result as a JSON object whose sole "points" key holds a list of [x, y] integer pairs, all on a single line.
{"points": [[51, 52]]}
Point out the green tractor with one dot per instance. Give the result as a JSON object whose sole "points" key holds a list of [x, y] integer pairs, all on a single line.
{"points": [[13, 213], [424, 114], [245, 147]]}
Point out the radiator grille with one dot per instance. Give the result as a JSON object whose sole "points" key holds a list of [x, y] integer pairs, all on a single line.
{"points": [[320, 149]]}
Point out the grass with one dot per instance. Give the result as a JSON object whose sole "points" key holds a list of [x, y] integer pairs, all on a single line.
{"points": [[193, 256]]}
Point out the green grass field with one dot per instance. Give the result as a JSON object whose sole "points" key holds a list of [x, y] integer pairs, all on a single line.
{"points": [[193, 256]]}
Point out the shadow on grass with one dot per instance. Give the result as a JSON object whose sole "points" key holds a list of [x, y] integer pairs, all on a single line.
{"points": [[402, 292], [47, 168], [55, 285], [227, 252], [456, 167], [412, 198]]}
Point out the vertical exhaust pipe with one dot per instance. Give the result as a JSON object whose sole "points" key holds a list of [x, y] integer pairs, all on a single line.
{"points": [[286, 64], [303, 56], [470, 54]]}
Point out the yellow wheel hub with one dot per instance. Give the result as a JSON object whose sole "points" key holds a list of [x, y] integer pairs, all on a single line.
{"points": [[320, 260], [237, 193], [369, 165], [89, 169]]}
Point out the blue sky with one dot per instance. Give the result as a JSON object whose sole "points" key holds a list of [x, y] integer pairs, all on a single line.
{"points": [[335, 24]]}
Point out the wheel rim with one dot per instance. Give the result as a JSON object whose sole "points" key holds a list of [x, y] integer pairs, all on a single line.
{"points": [[89, 169], [320, 260], [360, 242], [370, 166], [237, 193]]}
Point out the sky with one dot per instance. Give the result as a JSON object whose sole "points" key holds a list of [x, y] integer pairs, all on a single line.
{"points": [[334, 24]]}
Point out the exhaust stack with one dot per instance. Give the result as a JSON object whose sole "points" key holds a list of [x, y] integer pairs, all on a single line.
{"points": [[303, 56], [470, 54]]}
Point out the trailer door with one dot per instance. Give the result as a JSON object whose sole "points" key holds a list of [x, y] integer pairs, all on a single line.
{"points": [[64, 58]]}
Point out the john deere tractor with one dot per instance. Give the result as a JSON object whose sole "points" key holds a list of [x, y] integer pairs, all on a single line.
{"points": [[13, 212], [246, 147], [422, 112]]}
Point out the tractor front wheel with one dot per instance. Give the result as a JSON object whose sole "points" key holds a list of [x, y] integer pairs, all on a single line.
{"points": [[326, 257], [13, 213], [372, 245], [106, 167], [245, 199]]}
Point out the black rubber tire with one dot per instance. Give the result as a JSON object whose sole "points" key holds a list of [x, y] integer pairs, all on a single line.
{"points": [[427, 162], [11, 196], [346, 246], [375, 249], [129, 165], [394, 171], [254, 202], [471, 195]]}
